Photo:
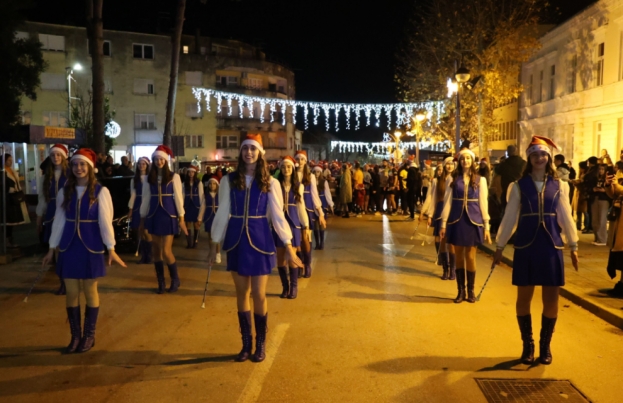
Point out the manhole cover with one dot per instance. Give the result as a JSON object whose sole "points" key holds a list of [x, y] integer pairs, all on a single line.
{"points": [[530, 390]]}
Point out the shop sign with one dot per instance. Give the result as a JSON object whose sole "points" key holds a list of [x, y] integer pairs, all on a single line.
{"points": [[67, 133]]}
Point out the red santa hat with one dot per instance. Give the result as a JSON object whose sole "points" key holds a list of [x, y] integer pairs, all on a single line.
{"points": [[212, 180], [147, 160], [300, 154], [163, 152], [255, 140], [288, 160], [466, 151], [61, 148], [539, 143], [87, 155], [449, 159], [194, 168], [317, 168]]}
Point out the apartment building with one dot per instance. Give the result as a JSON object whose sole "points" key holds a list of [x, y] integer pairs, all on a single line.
{"points": [[574, 84]]}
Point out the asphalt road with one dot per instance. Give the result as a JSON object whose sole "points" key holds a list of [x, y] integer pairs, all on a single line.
{"points": [[374, 324]]}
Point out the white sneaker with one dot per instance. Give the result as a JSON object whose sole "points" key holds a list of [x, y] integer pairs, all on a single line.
{"points": [[598, 244], [218, 258]]}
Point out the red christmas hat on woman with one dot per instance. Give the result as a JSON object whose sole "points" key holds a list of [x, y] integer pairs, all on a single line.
{"points": [[61, 148], [194, 168], [539, 143], [300, 154], [288, 160], [255, 140], [87, 155], [147, 160], [164, 152]]}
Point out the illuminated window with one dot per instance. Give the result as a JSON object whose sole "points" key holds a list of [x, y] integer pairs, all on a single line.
{"points": [[600, 65]]}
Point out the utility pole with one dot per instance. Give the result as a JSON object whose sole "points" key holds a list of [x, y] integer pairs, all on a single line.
{"points": [[176, 43], [95, 33]]}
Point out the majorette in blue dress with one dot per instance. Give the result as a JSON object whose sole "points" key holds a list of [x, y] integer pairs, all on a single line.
{"points": [[309, 204], [136, 199], [466, 220], [538, 245], [55, 187], [162, 217], [192, 201], [81, 244], [291, 213], [211, 207]]}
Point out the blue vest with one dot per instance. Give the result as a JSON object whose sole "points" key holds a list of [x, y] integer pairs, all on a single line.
{"points": [[538, 211], [53, 192], [291, 212], [211, 207], [309, 201], [162, 196], [139, 196], [248, 218], [465, 201], [193, 195], [82, 220]]}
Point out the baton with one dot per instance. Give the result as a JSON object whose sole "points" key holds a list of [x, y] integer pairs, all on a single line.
{"points": [[138, 246], [205, 290], [416, 227], [43, 270], [486, 281], [425, 235]]}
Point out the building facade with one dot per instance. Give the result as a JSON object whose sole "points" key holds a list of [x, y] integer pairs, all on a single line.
{"points": [[573, 86], [136, 75]]}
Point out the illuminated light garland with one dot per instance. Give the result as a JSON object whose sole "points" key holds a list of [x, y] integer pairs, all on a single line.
{"points": [[403, 112]]}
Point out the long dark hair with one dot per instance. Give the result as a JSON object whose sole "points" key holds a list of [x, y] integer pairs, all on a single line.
{"points": [[137, 174], [441, 180], [549, 168], [473, 174], [70, 186], [262, 176], [306, 177], [49, 174], [167, 175], [294, 185], [187, 182]]}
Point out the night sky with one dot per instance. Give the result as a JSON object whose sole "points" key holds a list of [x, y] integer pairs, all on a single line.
{"points": [[340, 50]]}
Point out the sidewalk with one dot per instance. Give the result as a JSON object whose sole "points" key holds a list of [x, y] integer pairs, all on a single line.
{"points": [[589, 285]]}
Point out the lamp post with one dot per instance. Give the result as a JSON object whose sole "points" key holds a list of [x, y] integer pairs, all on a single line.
{"points": [[462, 75], [417, 120], [70, 71]]}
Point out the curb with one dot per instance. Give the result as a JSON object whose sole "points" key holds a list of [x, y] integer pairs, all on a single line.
{"points": [[569, 292]]}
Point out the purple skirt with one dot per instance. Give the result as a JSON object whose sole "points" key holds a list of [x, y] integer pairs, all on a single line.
{"points": [[47, 231], [246, 261], [464, 232], [78, 263], [191, 212], [296, 238], [208, 224], [161, 223], [539, 263], [135, 220], [437, 218]]}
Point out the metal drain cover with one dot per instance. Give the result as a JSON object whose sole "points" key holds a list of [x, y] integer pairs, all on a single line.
{"points": [[530, 390]]}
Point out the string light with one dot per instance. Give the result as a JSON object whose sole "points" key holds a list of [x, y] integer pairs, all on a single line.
{"points": [[403, 112]]}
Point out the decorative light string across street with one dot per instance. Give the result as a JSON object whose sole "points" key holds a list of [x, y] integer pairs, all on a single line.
{"points": [[387, 146], [397, 114]]}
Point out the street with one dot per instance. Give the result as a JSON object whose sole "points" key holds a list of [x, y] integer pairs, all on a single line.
{"points": [[374, 323]]}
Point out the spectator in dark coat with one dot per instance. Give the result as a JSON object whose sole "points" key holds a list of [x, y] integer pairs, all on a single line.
{"points": [[124, 169], [510, 170], [589, 182], [414, 186]]}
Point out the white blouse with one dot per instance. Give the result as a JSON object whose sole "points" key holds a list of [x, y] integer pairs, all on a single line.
{"points": [[178, 196], [42, 205], [513, 210], [133, 191], [314, 192], [327, 193], [104, 216], [483, 202], [204, 205], [431, 197], [274, 214], [300, 206], [201, 193]]}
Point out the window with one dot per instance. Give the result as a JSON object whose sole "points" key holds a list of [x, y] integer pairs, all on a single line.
{"points": [[573, 74], [194, 78], [597, 140], [52, 42], [600, 65], [552, 82], [106, 48], [53, 82], [539, 95], [21, 35], [529, 97], [193, 141], [141, 51], [185, 50], [226, 141], [191, 110], [145, 121], [144, 86], [281, 89], [255, 83], [52, 118]]}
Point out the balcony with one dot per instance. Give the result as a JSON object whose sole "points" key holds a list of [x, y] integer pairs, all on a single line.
{"points": [[264, 92]]}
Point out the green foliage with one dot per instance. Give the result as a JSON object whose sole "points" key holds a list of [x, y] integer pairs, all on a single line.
{"points": [[82, 118], [492, 38], [22, 64]]}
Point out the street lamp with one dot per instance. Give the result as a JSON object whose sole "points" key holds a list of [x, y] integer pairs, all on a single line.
{"points": [[70, 71], [462, 75]]}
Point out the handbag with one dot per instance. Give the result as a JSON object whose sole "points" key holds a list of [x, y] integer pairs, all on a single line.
{"points": [[615, 210], [17, 197]]}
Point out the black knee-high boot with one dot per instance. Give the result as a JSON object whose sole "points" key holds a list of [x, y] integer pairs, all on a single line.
{"points": [[244, 319], [547, 331], [317, 239], [460, 282], [294, 283], [73, 315], [88, 334], [261, 328], [444, 262], [452, 266], [195, 238], [437, 251], [283, 275], [471, 280], [189, 239], [525, 327], [321, 240]]}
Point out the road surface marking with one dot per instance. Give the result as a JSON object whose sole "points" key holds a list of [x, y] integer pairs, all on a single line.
{"points": [[253, 388]]}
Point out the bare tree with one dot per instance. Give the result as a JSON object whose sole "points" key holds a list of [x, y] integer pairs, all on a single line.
{"points": [[176, 43], [95, 33]]}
